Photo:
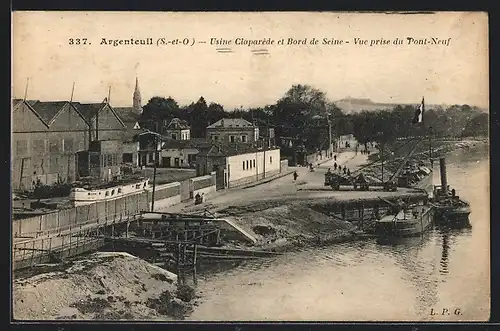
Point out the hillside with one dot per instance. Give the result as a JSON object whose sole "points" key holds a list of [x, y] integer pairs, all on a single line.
{"points": [[356, 105]]}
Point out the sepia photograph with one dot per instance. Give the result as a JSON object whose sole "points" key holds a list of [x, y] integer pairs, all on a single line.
{"points": [[250, 166]]}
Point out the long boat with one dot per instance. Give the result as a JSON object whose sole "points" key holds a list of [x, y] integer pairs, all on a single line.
{"points": [[82, 196], [409, 221]]}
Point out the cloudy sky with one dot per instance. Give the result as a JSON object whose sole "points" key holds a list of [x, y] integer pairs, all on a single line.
{"points": [[457, 73]]}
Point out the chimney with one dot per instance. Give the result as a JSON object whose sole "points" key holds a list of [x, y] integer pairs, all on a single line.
{"points": [[444, 182]]}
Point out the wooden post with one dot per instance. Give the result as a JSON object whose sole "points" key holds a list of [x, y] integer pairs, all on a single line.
{"points": [[195, 252], [62, 247], [362, 215], [33, 253], [41, 252], [78, 241]]}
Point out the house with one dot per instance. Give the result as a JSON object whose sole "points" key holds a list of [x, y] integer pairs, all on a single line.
{"points": [[182, 153], [130, 117], [233, 130], [238, 163], [45, 139], [102, 160], [266, 133], [178, 129], [150, 149]]}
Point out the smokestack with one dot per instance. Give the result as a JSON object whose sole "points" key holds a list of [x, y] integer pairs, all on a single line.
{"points": [[442, 167]]}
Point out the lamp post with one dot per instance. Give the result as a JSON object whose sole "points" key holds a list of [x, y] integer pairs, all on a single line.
{"points": [[157, 139]]}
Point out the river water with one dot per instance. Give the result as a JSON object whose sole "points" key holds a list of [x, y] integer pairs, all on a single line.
{"points": [[415, 279]]}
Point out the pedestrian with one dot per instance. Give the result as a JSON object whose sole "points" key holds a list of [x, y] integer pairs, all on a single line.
{"points": [[345, 170], [335, 157], [335, 166], [348, 172], [295, 175]]}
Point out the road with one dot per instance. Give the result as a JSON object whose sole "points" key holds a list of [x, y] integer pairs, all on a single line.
{"points": [[308, 186]]}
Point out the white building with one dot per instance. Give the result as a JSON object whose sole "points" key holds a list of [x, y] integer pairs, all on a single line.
{"points": [[182, 153], [233, 130], [238, 164]]}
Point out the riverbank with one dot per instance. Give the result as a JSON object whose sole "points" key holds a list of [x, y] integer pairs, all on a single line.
{"points": [[101, 286], [292, 221]]}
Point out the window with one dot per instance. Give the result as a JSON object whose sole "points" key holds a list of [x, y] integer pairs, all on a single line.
{"points": [[68, 145], [243, 165], [174, 136], [53, 165], [127, 157], [110, 160], [21, 147], [215, 137], [254, 163], [247, 165], [244, 139], [231, 139], [54, 146], [270, 159], [38, 146]]}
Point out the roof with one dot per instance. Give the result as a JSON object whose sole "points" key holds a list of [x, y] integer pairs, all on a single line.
{"points": [[231, 123], [197, 143], [48, 109], [89, 110], [233, 149], [178, 124], [128, 115]]}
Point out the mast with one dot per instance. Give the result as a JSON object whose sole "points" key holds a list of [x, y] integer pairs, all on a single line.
{"points": [[26, 89], [72, 92]]}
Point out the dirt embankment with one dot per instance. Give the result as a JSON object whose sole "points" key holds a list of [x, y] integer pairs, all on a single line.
{"points": [[103, 286], [279, 226]]}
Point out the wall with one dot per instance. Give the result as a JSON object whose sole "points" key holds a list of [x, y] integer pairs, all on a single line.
{"points": [[267, 163], [182, 154], [165, 196], [224, 133], [320, 156], [68, 133], [203, 185], [284, 166]]}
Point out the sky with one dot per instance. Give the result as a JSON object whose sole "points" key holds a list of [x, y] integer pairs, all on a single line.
{"points": [[453, 74]]}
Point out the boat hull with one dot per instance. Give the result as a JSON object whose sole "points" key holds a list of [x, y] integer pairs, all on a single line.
{"points": [[405, 227], [81, 196], [452, 215]]}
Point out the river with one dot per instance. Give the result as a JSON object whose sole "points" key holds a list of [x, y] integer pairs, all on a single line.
{"points": [[413, 280]]}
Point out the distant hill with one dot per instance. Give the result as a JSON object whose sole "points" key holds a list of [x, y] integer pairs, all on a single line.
{"points": [[356, 105]]}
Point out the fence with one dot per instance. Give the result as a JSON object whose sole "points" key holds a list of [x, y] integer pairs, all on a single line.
{"points": [[110, 210]]}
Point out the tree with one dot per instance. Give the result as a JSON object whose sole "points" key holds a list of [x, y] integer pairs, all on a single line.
{"points": [[477, 126], [299, 113], [159, 110]]}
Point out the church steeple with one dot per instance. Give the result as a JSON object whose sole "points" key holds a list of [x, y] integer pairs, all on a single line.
{"points": [[137, 97]]}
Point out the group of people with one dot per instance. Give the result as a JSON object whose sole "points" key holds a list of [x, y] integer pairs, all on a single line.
{"points": [[365, 152], [341, 169]]}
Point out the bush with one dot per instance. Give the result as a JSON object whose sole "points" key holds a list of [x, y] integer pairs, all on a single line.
{"points": [[185, 293]]}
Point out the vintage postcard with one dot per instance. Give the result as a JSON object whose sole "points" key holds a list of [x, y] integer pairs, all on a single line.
{"points": [[272, 166]]}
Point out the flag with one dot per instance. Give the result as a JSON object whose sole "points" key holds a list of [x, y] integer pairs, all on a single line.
{"points": [[419, 113]]}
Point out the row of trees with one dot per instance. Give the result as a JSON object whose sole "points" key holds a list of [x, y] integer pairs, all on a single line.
{"points": [[304, 114]]}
